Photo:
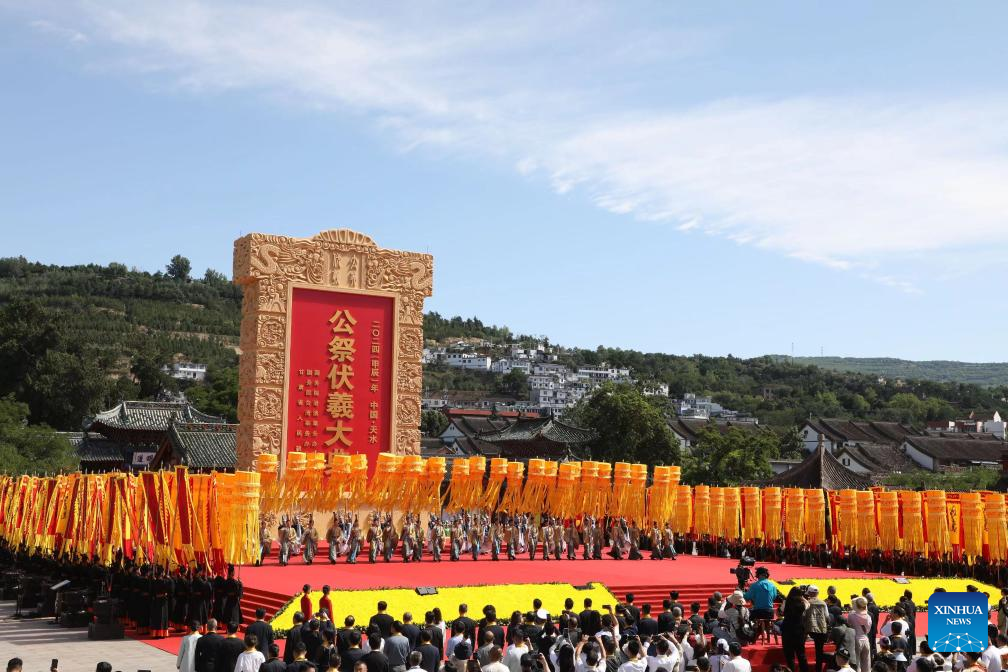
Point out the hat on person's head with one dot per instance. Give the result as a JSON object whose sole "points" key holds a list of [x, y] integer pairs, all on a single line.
{"points": [[722, 645], [542, 614], [843, 653], [812, 590], [736, 598]]}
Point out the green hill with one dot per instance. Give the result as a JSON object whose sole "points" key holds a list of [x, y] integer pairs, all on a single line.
{"points": [[78, 339], [975, 373]]}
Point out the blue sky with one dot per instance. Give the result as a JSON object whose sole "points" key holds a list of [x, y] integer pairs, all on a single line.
{"points": [[678, 177]]}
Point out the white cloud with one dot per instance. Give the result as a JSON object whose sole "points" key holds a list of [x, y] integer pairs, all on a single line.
{"points": [[851, 183], [48, 28]]}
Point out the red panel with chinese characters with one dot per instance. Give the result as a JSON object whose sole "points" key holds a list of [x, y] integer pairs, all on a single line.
{"points": [[339, 395]]}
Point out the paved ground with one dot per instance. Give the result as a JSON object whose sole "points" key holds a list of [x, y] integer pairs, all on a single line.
{"points": [[37, 642]]}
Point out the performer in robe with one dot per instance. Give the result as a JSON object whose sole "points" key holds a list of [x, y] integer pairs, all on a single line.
{"points": [[180, 599], [668, 542], [496, 537], [408, 538], [531, 538], [657, 552], [571, 535], [310, 541], [283, 535], [217, 610], [547, 539], [265, 542], [558, 539], [476, 534], [618, 539], [355, 542], [332, 536], [588, 532], [634, 540], [232, 598], [161, 587], [374, 540], [200, 597], [458, 534], [436, 539], [390, 539]]}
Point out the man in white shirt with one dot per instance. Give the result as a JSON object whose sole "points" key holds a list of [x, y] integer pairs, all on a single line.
{"points": [[636, 660], [897, 617], [187, 650], [495, 664], [991, 657], [736, 663], [414, 661], [667, 656], [519, 648]]}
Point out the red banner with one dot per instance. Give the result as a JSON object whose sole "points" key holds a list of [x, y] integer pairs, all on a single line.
{"points": [[339, 393]]}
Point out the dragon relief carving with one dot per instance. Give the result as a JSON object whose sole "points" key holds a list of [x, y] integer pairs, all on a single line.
{"points": [[410, 343], [269, 368], [268, 404], [272, 295], [266, 439], [392, 270], [271, 331], [407, 441], [410, 378], [407, 410]]}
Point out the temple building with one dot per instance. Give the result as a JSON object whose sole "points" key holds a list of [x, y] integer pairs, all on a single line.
{"points": [[130, 435], [820, 470], [545, 438]]}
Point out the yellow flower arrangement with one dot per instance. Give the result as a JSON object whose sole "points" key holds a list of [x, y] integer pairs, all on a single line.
{"points": [[887, 592], [361, 604]]}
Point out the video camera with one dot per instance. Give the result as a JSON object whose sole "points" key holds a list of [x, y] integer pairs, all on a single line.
{"points": [[745, 561]]}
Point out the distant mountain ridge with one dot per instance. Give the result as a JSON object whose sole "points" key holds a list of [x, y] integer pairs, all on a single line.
{"points": [[987, 374]]}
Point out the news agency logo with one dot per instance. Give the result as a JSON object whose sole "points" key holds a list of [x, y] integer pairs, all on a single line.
{"points": [[957, 622]]}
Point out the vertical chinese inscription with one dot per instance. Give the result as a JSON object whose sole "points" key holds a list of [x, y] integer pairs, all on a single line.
{"points": [[340, 400]]}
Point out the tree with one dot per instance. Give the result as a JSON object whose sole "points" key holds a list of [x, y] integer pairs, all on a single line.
{"points": [[146, 368], [30, 449], [27, 333], [65, 387], [791, 443], [432, 423], [218, 395], [730, 458], [514, 383], [212, 277], [178, 268], [627, 427]]}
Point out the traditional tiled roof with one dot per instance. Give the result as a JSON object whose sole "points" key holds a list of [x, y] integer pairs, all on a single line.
{"points": [[820, 470], [863, 431], [95, 452], [484, 412], [958, 449], [539, 429], [880, 457], [474, 425], [199, 446], [691, 427], [150, 416]]}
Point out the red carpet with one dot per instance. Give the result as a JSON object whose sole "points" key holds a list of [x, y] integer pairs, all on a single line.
{"points": [[686, 571]]}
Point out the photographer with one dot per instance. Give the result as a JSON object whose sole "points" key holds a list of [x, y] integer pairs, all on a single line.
{"points": [[742, 572], [762, 595]]}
